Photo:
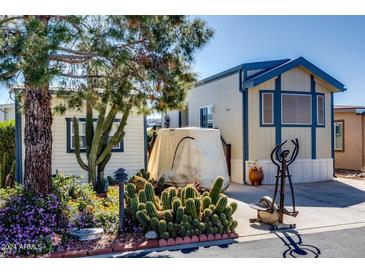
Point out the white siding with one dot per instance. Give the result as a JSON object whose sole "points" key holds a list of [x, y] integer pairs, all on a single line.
{"points": [[224, 94], [304, 135], [7, 112], [323, 135], [296, 79], [131, 159], [174, 118], [302, 170], [261, 140]]}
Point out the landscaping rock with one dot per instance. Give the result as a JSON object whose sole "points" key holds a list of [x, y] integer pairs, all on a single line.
{"points": [[203, 238], [187, 240], [179, 240], [151, 235], [210, 237], [87, 234], [225, 236], [218, 237], [162, 242], [171, 241], [194, 239]]}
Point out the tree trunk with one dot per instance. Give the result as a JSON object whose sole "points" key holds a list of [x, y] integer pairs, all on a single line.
{"points": [[38, 139]]}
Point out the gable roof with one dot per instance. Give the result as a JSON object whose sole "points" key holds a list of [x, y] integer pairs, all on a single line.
{"points": [[263, 66], [301, 61]]}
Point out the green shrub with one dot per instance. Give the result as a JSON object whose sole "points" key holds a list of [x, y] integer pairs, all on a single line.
{"points": [[7, 153], [7, 139]]}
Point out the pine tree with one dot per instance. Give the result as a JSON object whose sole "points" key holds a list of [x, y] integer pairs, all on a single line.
{"points": [[112, 64]]}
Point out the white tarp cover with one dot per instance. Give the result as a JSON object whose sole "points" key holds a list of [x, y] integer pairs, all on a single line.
{"points": [[200, 159]]}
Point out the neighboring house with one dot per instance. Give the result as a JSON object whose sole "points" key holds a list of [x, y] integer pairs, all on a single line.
{"points": [[349, 137], [129, 154], [7, 112], [258, 105]]}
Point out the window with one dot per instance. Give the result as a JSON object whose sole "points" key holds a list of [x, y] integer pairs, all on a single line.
{"points": [[339, 135], [296, 109], [267, 108], [206, 116], [82, 133], [320, 110]]}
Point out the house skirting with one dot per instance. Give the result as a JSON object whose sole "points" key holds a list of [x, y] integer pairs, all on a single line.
{"points": [[302, 170]]}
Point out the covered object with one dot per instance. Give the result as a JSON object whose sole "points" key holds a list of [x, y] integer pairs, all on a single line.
{"points": [[188, 155]]}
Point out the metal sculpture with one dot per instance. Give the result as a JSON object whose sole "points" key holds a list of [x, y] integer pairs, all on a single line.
{"points": [[267, 210]]}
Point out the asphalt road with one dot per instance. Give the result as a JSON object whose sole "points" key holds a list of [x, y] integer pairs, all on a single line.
{"points": [[348, 243]]}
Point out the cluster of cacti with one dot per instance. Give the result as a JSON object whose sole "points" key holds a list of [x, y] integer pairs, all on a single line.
{"points": [[181, 211], [7, 172], [142, 177]]}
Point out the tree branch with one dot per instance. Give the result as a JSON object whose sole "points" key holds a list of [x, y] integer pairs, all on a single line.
{"points": [[10, 18], [77, 143]]}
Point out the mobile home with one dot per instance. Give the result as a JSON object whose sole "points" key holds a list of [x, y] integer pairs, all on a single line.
{"points": [[258, 105], [129, 154]]}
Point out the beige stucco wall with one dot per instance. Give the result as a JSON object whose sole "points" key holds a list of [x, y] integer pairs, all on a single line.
{"points": [[132, 159], [353, 155]]}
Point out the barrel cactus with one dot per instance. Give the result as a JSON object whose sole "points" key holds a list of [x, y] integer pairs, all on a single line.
{"points": [[190, 208], [155, 224], [206, 201], [142, 198], [216, 189], [234, 206], [151, 210], [131, 190], [221, 203], [143, 218], [138, 181], [165, 198]]}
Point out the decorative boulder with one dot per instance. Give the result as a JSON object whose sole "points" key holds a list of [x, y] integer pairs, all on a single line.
{"points": [[87, 234], [150, 235]]}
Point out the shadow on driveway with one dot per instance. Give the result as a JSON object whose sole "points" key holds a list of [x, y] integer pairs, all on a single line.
{"points": [[319, 194]]}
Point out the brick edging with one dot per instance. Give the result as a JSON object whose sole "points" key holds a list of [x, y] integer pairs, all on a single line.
{"points": [[139, 246]]}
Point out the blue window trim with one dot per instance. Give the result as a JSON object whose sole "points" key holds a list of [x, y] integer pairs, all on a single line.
{"points": [[261, 108], [82, 150], [324, 109], [279, 109]]}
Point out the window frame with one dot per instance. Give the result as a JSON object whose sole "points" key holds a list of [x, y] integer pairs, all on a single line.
{"points": [[207, 107], [324, 109], [262, 123], [342, 122], [283, 93], [69, 132]]}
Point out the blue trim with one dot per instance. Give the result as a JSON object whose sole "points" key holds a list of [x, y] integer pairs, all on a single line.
{"points": [[273, 105], [145, 141], [324, 109], [245, 142], [82, 150], [314, 118], [18, 142], [332, 136], [277, 109], [290, 65], [246, 66], [180, 118]]}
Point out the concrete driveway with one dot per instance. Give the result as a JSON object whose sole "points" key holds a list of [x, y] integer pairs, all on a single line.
{"points": [[322, 205]]}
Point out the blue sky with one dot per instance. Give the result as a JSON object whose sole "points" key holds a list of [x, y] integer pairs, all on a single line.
{"points": [[336, 44]]}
